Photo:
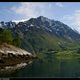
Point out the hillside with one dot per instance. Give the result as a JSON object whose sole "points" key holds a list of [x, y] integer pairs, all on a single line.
{"points": [[41, 34]]}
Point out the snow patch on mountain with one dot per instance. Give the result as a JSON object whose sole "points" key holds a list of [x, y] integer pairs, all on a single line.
{"points": [[31, 25], [17, 21]]}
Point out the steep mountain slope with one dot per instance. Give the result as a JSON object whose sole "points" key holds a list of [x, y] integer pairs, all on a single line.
{"points": [[42, 34]]}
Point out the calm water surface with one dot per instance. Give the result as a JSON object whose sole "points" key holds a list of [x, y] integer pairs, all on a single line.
{"points": [[50, 67]]}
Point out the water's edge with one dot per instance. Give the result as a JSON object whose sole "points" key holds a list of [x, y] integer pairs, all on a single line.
{"points": [[10, 69]]}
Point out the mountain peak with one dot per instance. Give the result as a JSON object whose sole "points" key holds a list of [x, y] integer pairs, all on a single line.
{"points": [[42, 18]]}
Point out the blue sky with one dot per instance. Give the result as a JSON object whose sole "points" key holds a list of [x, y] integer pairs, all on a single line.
{"points": [[66, 12]]}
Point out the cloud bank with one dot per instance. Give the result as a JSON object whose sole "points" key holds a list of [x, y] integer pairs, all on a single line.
{"points": [[29, 9], [73, 20], [59, 4]]}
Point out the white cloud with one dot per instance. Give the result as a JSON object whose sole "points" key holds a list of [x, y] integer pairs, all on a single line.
{"points": [[76, 21], [77, 17], [68, 17], [32, 9], [59, 4], [73, 20], [22, 20], [77, 11]]}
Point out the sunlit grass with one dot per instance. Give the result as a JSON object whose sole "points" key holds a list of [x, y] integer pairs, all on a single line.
{"points": [[67, 55]]}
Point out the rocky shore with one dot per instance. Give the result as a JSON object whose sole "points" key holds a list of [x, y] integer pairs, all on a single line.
{"points": [[13, 58]]}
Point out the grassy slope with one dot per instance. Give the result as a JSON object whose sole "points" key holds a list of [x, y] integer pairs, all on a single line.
{"points": [[34, 40], [38, 41]]}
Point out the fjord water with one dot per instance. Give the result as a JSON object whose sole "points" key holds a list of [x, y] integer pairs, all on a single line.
{"points": [[50, 67]]}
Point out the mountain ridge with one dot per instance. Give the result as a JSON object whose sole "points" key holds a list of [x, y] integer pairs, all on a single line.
{"points": [[41, 34]]}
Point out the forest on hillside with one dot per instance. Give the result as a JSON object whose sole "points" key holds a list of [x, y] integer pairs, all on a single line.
{"points": [[6, 36]]}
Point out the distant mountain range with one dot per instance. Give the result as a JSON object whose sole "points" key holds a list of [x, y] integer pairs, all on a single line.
{"points": [[42, 34]]}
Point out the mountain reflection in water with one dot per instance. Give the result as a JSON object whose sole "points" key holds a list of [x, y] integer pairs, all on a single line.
{"points": [[50, 67]]}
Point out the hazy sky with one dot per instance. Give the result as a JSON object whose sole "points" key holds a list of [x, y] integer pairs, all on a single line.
{"points": [[66, 12]]}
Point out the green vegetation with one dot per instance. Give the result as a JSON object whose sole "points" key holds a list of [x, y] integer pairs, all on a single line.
{"points": [[6, 36], [78, 50], [69, 54], [16, 41], [40, 42]]}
